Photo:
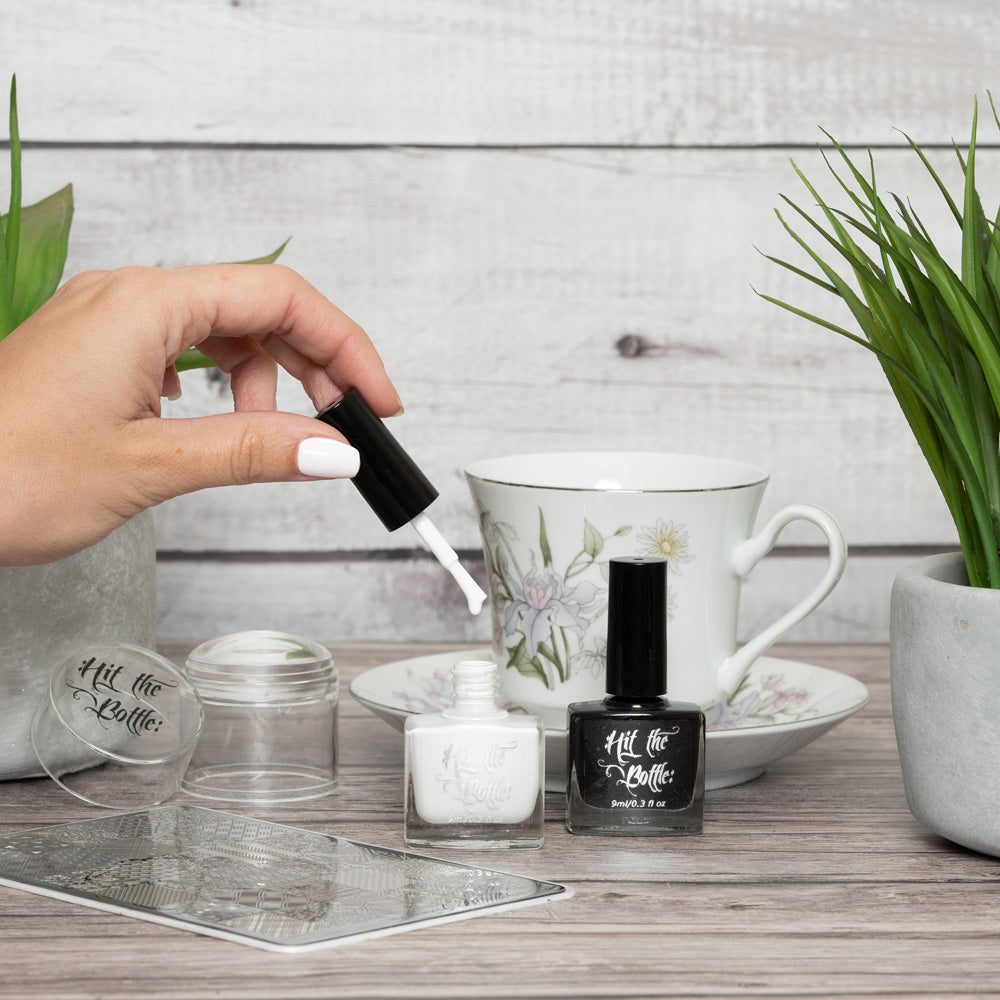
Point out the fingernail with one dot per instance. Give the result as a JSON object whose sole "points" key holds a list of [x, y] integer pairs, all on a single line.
{"points": [[174, 396], [324, 458]]}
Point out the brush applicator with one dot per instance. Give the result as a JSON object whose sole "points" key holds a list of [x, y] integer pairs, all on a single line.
{"points": [[393, 485]]}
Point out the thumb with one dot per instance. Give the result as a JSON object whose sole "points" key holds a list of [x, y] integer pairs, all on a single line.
{"points": [[183, 455]]}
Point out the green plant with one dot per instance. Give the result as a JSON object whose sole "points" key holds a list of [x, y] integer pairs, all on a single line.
{"points": [[935, 330], [33, 241], [33, 244]]}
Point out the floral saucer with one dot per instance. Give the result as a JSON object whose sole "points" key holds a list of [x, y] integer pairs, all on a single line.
{"points": [[781, 706]]}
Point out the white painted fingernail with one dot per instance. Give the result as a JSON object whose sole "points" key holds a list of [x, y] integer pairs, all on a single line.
{"points": [[325, 458]]}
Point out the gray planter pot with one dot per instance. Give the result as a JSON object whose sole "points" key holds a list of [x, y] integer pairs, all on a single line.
{"points": [[105, 592], [945, 673]]}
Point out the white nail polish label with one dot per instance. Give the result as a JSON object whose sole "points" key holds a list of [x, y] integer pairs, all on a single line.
{"points": [[477, 773], [324, 458], [474, 773]]}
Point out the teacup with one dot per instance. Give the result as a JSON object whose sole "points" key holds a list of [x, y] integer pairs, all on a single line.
{"points": [[550, 523]]}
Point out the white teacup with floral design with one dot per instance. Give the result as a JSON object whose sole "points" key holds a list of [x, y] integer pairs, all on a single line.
{"points": [[550, 523]]}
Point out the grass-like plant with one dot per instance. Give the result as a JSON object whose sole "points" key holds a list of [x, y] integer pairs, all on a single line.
{"points": [[34, 240], [935, 330]]}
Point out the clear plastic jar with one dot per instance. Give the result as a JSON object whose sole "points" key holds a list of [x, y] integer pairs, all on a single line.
{"points": [[270, 734]]}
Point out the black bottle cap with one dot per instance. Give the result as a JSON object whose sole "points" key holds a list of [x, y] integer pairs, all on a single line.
{"points": [[388, 478], [637, 628]]}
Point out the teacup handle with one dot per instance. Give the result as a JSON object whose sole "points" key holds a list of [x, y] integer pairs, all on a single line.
{"points": [[747, 554]]}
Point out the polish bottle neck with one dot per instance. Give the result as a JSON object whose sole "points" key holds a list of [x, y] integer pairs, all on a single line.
{"points": [[474, 691]]}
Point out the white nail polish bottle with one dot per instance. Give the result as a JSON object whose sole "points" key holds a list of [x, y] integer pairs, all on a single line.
{"points": [[474, 773]]}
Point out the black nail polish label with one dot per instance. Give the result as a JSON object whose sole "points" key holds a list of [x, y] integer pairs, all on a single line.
{"points": [[637, 763]]}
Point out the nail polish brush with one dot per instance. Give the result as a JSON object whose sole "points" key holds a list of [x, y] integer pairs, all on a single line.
{"points": [[394, 486]]}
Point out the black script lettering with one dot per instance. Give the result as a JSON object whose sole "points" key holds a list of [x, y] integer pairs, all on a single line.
{"points": [[101, 676], [149, 685], [137, 721]]}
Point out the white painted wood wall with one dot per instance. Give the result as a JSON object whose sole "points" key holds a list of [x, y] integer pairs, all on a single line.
{"points": [[499, 192]]}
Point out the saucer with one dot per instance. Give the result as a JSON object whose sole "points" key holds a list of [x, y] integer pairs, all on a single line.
{"points": [[780, 707]]}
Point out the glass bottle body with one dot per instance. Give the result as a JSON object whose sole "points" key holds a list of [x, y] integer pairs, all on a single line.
{"points": [[635, 768], [476, 783]]}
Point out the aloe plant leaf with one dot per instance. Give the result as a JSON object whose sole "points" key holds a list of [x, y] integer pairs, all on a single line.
{"points": [[6, 306], [12, 229], [9, 224], [269, 258], [193, 358], [44, 241]]}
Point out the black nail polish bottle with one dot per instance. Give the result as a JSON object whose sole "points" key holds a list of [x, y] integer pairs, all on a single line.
{"points": [[636, 760]]}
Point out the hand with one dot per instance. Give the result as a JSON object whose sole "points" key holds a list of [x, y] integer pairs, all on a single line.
{"points": [[83, 446]]}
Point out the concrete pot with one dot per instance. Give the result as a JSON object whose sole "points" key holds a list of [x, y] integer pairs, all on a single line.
{"points": [[107, 592], [945, 673]]}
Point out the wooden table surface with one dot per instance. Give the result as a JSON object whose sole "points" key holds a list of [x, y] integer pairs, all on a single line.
{"points": [[812, 880]]}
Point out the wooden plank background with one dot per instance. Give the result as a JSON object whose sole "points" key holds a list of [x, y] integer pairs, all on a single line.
{"points": [[500, 193]]}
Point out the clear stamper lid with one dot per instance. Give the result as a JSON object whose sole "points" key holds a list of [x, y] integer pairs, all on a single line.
{"points": [[117, 725], [260, 666]]}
